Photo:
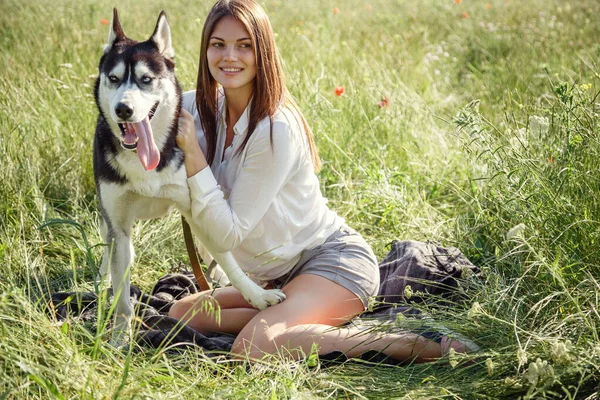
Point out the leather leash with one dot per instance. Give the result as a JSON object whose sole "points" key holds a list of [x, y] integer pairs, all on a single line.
{"points": [[194, 257]]}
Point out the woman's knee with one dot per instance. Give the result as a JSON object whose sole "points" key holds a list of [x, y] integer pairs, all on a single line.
{"points": [[179, 309], [187, 307], [176, 310], [258, 341]]}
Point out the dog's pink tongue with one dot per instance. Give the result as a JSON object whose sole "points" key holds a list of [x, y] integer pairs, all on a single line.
{"points": [[146, 148]]}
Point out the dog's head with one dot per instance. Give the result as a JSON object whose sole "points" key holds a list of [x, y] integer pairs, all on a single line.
{"points": [[136, 85]]}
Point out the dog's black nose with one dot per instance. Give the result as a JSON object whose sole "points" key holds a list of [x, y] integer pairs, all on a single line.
{"points": [[123, 111]]}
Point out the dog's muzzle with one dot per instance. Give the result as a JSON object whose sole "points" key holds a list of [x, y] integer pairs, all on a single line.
{"points": [[129, 138]]}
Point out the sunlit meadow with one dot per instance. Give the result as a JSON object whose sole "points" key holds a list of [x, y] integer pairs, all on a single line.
{"points": [[470, 123]]}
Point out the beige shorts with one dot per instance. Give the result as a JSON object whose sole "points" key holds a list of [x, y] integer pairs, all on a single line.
{"points": [[346, 259]]}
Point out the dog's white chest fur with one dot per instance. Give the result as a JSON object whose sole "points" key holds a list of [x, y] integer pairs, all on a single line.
{"points": [[169, 183]]}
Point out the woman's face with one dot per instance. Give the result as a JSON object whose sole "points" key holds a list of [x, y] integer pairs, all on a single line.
{"points": [[230, 56]]}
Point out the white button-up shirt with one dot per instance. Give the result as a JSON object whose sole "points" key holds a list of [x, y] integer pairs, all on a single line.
{"points": [[263, 204]]}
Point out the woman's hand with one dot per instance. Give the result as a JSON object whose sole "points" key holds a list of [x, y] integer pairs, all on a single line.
{"points": [[186, 137], [187, 141]]}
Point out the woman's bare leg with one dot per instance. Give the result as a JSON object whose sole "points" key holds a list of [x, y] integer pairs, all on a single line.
{"points": [[220, 310], [354, 342], [313, 307]]}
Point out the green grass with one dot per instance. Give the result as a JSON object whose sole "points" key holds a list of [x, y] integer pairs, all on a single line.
{"points": [[493, 122]]}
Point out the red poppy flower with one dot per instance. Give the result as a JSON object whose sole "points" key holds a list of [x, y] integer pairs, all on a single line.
{"points": [[339, 90], [384, 103], [488, 6], [465, 14], [104, 21], [336, 10], [457, 1]]}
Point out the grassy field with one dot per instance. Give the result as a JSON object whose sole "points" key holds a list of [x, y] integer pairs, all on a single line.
{"points": [[488, 140]]}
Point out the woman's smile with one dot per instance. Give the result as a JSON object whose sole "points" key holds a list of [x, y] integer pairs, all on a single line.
{"points": [[231, 71]]}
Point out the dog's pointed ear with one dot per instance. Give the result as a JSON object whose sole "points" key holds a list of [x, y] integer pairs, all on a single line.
{"points": [[116, 32], [162, 36]]}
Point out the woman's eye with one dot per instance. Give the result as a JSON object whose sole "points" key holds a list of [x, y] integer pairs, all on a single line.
{"points": [[217, 45]]}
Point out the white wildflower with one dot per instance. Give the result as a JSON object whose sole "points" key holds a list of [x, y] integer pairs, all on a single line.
{"points": [[538, 126], [66, 65], [489, 364], [515, 231], [475, 310], [521, 357], [24, 367], [521, 133], [512, 382], [539, 371], [532, 374], [452, 358], [372, 302], [408, 292], [400, 318], [560, 352], [519, 139]]}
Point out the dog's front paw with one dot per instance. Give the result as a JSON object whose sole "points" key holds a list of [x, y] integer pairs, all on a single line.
{"points": [[265, 298]]}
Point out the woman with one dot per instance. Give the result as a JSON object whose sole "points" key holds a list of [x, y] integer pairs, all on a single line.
{"points": [[255, 192]]}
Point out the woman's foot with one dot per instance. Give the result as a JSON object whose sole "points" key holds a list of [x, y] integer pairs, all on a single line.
{"points": [[459, 344]]}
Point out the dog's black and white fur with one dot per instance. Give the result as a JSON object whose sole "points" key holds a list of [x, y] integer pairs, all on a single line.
{"points": [[138, 168]]}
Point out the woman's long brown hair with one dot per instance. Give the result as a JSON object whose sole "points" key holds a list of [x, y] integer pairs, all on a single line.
{"points": [[269, 90]]}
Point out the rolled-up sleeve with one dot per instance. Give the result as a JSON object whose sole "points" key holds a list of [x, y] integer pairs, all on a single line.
{"points": [[264, 172]]}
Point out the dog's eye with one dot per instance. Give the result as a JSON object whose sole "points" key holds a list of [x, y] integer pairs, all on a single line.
{"points": [[146, 79], [113, 78]]}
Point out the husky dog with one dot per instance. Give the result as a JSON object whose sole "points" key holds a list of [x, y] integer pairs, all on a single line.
{"points": [[138, 168]]}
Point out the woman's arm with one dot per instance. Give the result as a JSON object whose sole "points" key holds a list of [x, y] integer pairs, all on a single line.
{"points": [[265, 170]]}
